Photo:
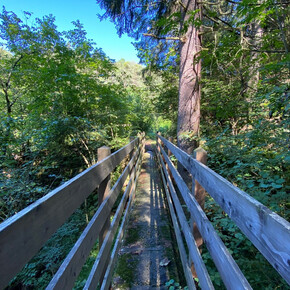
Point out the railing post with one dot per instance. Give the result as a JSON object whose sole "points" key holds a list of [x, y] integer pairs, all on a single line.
{"points": [[157, 141], [199, 193], [143, 141], [170, 139], [103, 191], [132, 152]]}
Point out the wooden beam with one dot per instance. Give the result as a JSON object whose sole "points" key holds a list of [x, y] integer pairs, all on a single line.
{"points": [[100, 264], [109, 272], [231, 274], [256, 221], [72, 265], [22, 235], [103, 191], [199, 194], [194, 253], [181, 248]]}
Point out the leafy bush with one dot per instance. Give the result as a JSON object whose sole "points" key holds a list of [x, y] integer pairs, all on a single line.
{"points": [[257, 161]]}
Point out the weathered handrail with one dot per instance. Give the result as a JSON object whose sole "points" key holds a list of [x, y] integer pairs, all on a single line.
{"points": [[257, 222], [22, 235]]}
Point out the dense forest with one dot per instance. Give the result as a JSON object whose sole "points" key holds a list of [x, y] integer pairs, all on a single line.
{"points": [[62, 97]]}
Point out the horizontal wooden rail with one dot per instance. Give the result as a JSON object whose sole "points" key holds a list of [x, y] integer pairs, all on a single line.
{"points": [[72, 265], [98, 267], [256, 221], [185, 228], [112, 260], [22, 235], [231, 274]]}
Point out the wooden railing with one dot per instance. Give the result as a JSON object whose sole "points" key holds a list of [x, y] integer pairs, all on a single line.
{"points": [[22, 235], [269, 232]]}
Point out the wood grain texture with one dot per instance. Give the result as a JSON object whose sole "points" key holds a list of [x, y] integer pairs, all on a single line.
{"points": [[181, 249], [257, 222], [113, 258], [231, 274], [100, 263], [199, 194], [194, 253], [72, 265], [104, 189], [22, 235]]}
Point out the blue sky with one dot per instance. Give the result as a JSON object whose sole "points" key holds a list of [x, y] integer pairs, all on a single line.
{"points": [[66, 11]]}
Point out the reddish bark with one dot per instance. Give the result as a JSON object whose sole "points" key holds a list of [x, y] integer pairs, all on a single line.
{"points": [[189, 81]]}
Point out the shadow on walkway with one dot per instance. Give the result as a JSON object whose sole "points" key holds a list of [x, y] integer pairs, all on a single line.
{"points": [[146, 259]]}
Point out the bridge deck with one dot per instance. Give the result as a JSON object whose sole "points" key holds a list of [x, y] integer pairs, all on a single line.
{"points": [[148, 244]]}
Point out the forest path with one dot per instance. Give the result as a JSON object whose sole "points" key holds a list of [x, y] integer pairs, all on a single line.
{"points": [[147, 259]]}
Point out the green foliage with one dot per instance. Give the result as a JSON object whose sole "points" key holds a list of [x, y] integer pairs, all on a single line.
{"points": [[61, 99], [171, 284], [126, 268], [255, 267], [39, 271], [257, 161]]}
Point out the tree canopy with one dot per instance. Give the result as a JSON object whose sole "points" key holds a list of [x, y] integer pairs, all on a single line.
{"points": [[213, 74]]}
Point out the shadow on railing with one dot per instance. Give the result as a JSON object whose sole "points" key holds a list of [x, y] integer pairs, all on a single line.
{"points": [[22, 235], [269, 232]]}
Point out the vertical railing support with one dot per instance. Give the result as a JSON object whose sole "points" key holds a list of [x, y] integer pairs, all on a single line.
{"points": [[103, 191], [170, 139], [199, 193], [157, 141], [132, 152]]}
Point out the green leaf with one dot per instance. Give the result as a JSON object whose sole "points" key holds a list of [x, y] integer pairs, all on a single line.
{"points": [[263, 185], [275, 185], [280, 181]]}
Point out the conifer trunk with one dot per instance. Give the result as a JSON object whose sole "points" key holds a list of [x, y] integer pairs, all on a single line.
{"points": [[189, 80]]}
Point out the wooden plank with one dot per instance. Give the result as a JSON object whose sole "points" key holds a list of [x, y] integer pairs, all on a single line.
{"points": [[72, 265], [181, 248], [22, 235], [194, 253], [104, 189], [100, 263], [109, 272], [199, 194], [231, 275], [257, 222]]}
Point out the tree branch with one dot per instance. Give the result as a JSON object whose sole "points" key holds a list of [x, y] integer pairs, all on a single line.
{"points": [[208, 3], [165, 37], [12, 69], [182, 5]]}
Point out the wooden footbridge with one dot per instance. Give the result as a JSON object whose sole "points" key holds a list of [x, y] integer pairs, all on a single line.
{"points": [[23, 235]]}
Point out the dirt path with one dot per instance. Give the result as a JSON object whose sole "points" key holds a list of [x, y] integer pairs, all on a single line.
{"points": [[148, 240]]}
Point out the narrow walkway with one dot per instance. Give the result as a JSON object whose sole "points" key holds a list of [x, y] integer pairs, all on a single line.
{"points": [[146, 259]]}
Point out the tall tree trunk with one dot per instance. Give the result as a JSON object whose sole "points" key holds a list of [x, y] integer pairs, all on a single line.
{"points": [[189, 80], [254, 74], [256, 42]]}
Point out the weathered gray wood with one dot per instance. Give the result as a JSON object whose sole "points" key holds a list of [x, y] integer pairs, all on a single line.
{"points": [[199, 194], [231, 275], [103, 191], [181, 248], [194, 253], [257, 222], [100, 263], [71, 266], [109, 272], [22, 235]]}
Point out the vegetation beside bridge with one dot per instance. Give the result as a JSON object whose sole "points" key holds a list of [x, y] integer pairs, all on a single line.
{"points": [[62, 98]]}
